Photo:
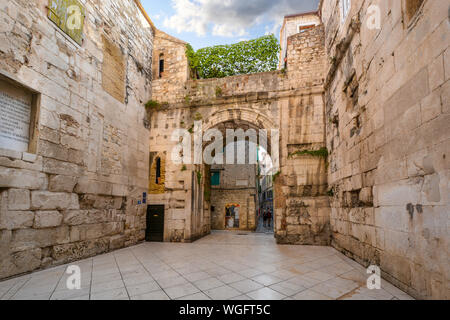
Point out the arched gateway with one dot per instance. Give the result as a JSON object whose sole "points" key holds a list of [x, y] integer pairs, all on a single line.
{"points": [[288, 106]]}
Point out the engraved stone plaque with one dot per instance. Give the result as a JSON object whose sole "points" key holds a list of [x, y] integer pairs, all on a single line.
{"points": [[15, 115]]}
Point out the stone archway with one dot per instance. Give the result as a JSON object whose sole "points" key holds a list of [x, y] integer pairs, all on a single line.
{"points": [[238, 185], [301, 207], [250, 116]]}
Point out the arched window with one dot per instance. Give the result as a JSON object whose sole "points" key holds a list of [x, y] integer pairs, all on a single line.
{"points": [[158, 170], [161, 65]]}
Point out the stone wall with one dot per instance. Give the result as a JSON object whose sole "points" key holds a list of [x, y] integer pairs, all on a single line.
{"points": [[237, 186], [387, 122], [290, 27], [176, 69], [78, 195], [220, 198], [289, 101]]}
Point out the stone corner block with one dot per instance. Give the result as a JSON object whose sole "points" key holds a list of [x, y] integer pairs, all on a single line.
{"points": [[19, 199], [29, 157], [14, 220], [45, 200], [60, 183], [47, 219]]}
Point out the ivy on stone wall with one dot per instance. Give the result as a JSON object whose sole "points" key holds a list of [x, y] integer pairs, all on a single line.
{"points": [[258, 55]]}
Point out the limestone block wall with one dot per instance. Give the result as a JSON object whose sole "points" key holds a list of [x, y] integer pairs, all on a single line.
{"points": [[187, 216], [237, 186], [176, 69], [289, 101], [290, 27], [247, 207], [307, 57], [78, 196], [387, 122], [301, 202]]}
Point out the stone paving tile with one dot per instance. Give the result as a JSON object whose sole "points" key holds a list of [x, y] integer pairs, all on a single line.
{"points": [[223, 293], [242, 298], [137, 280], [69, 294], [230, 278], [287, 288], [84, 298], [310, 295], [181, 291], [107, 286], [250, 273], [32, 296], [196, 296], [155, 295], [221, 266], [142, 288], [171, 282], [193, 277], [114, 294], [319, 275], [246, 286], [266, 294], [267, 279], [208, 284]]}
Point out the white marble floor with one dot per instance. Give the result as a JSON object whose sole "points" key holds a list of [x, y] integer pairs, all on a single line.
{"points": [[222, 266]]}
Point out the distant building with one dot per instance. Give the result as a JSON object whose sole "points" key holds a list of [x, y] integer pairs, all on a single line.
{"points": [[293, 24]]}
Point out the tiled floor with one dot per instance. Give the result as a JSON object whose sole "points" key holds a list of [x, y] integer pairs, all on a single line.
{"points": [[224, 265]]}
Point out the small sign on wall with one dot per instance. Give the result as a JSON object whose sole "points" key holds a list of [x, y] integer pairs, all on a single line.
{"points": [[15, 115], [68, 15], [19, 116]]}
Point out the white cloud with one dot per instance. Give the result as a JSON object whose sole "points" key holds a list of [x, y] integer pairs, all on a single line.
{"points": [[231, 18]]}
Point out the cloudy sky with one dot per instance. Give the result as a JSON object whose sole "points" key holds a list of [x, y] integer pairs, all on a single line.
{"points": [[209, 22]]}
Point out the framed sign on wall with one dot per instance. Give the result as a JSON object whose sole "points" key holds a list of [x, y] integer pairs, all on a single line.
{"points": [[69, 16]]}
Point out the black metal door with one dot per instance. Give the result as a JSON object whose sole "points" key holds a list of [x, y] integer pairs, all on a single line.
{"points": [[155, 224]]}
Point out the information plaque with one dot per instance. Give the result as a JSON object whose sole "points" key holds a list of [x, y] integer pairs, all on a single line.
{"points": [[15, 115]]}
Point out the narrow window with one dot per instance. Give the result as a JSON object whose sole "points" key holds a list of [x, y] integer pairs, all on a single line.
{"points": [[161, 65], [302, 29], [158, 170], [215, 178]]}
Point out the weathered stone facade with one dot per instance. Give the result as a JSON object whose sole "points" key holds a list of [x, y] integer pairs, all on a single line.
{"points": [[388, 134], [292, 25], [237, 187], [376, 98], [290, 101], [78, 195]]}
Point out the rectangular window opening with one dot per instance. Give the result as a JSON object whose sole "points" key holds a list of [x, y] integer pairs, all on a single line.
{"points": [[161, 67], [19, 110], [215, 178]]}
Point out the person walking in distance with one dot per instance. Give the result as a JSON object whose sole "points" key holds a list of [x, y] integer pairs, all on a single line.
{"points": [[269, 218], [265, 218]]}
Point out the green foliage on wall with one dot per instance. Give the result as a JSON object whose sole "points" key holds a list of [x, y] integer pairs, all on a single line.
{"points": [[199, 177], [155, 105], [258, 55], [322, 153], [276, 175]]}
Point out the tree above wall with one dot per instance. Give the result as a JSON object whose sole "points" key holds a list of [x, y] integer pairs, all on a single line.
{"points": [[253, 56]]}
